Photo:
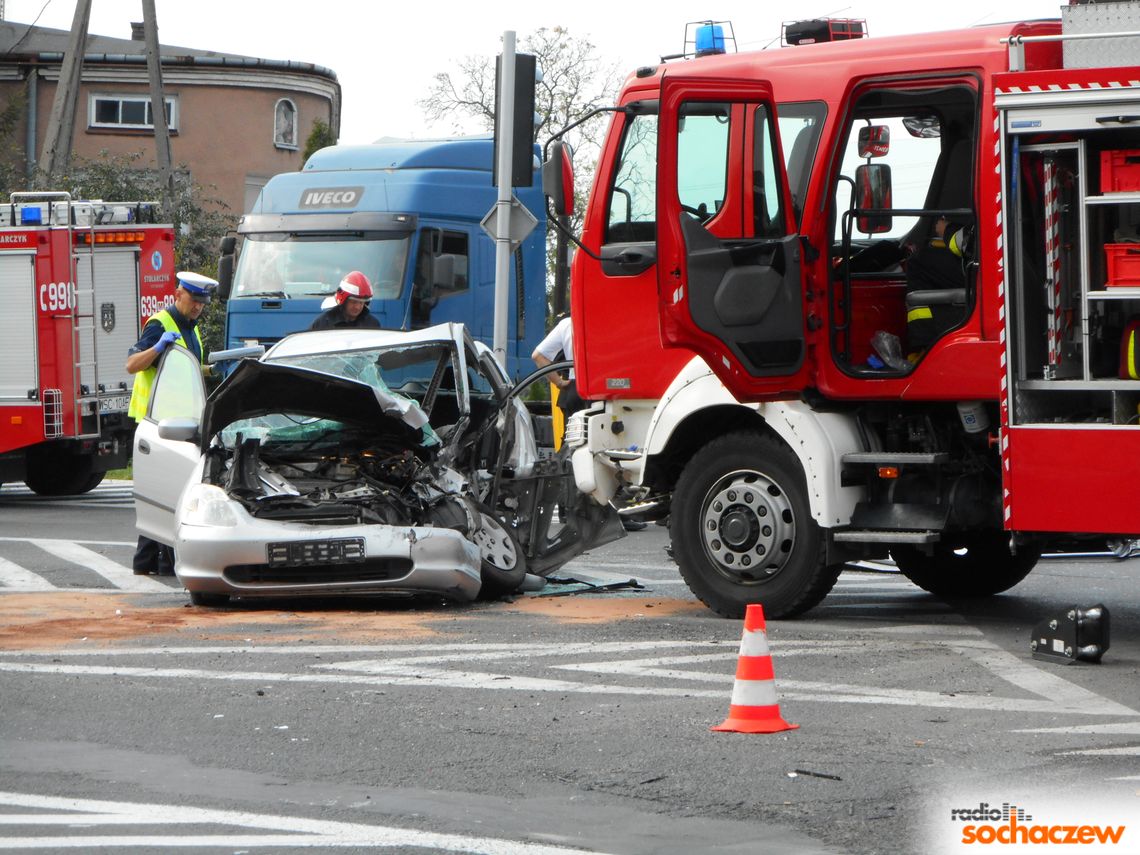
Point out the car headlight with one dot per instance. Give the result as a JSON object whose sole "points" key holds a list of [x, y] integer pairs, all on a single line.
{"points": [[208, 505]]}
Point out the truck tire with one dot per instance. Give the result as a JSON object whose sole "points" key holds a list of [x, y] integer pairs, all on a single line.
{"points": [[61, 475], [502, 564], [981, 566], [743, 532]]}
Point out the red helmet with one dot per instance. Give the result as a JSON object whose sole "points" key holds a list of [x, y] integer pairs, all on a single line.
{"points": [[356, 285]]}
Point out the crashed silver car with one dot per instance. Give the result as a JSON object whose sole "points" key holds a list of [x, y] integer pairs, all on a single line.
{"points": [[355, 462]]}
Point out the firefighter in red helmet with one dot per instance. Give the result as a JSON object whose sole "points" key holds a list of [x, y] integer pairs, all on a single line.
{"points": [[351, 310]]}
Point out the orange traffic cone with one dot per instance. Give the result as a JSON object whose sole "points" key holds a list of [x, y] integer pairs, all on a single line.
{"points": [[753, 708]]}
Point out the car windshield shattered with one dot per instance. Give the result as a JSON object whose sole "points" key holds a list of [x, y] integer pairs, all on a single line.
{"points": [[371, 462]]}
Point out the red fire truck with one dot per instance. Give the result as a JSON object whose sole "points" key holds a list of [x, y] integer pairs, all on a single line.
{"points": [[77, 279], [910, 267]]}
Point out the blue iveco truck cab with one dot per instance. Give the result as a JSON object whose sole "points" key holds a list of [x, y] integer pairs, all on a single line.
{"points": [[407, 215]]}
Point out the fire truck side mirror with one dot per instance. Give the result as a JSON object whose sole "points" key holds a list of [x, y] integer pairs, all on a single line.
{"points": [[558, 178], [226, 265], [874, 141], [873, 193]]}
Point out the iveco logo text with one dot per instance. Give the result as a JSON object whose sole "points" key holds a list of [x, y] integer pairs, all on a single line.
{"points": [[331, 197]]}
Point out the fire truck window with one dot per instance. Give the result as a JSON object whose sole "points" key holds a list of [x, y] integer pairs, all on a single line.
{"points": [[702, 158], [766, 197], [633, 197], [912, 161], [800, 125], [178, 389]]}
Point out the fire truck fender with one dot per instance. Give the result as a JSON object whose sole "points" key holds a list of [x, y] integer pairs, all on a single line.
{"points": [[818, 439]]}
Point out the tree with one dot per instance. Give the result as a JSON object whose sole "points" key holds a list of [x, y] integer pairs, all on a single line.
{"points": [[199, 221], [574, 81], [320, 136]]}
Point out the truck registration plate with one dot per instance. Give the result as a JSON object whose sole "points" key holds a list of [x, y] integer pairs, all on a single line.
{"points": [[117, 404]]}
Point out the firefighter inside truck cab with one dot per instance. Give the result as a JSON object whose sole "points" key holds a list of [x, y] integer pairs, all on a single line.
{"points": [[176, 324]]}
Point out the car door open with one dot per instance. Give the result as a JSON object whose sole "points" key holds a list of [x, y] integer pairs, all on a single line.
{"points": [[163, 464]]}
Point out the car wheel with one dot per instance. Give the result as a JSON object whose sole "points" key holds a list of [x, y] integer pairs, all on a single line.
{"points": [[502, 564], [208, 599], [979, 566], [743, 532]]}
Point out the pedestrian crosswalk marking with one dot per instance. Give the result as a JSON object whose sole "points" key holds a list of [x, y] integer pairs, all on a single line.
{"points": [[121, 577], [109, 494], [237, 830], [12, 575]]}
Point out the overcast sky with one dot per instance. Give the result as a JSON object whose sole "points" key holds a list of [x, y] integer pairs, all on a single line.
{"points": [[385, 52]]}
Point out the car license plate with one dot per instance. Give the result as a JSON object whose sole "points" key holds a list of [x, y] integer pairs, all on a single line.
{"points": [[116, 404], [299, 553]]}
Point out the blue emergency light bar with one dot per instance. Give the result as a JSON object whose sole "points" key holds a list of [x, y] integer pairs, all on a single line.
{"points": [[709, 39]]}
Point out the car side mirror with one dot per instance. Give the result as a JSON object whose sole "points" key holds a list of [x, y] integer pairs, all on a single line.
{"points": [[179, 430], [873, 193], [558, 178]]}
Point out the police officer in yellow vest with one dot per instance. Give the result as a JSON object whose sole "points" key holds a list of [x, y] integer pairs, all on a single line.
{"points": [[176, 324]]}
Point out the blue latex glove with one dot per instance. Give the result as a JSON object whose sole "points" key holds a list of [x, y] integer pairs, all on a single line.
{"points": [[167, 339]]}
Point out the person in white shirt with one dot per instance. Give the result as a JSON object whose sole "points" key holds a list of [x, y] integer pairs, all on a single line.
{"points": [[556, 347]]}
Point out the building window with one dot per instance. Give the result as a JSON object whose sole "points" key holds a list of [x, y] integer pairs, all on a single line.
{"points": [[128, 111], [285, 124]]}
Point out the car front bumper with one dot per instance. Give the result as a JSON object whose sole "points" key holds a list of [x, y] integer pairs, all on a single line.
{"points": [[281, 559]]}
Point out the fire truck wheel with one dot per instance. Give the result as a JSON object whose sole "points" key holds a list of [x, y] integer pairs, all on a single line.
{"points": [[502, 564], [978, 567], [63, 475], [743, 532]]}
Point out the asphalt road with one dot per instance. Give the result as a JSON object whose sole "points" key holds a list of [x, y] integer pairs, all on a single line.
{"points": [[561, 721]]}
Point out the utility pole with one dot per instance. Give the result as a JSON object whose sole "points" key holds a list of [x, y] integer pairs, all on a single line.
{"points": [[158, 105], [56, 152]]}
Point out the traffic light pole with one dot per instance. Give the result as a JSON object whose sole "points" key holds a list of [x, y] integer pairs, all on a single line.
{"points": [[505, 152]]}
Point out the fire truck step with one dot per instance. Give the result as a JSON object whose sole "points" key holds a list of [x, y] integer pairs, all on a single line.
{"points": [[895, 458], [869, 535]]}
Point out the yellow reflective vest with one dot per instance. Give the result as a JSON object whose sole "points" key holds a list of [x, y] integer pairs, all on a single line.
{"points": [[144, 380]]}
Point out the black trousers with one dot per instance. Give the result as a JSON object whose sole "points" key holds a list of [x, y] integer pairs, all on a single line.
{"points": [[569, 401], [153, 557]]}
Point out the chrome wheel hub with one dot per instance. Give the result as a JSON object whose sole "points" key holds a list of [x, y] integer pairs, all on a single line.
{"points": [[747, 527]]}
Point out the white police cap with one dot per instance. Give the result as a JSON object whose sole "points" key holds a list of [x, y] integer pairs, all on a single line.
{"points": [[197, 286]]}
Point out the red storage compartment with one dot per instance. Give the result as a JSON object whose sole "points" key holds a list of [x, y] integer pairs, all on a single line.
{"points": [[1123, 262], [1120, 171]]}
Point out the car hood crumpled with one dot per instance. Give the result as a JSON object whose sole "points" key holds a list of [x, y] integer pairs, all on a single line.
{"points": [[259, 388]]}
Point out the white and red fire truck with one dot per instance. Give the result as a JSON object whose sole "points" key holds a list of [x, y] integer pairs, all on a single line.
{"points": [[862, 390], [77, 280]]}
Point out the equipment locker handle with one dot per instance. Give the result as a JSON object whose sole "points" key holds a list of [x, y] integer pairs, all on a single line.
{"points": [[1117, 120], [144, 446]]}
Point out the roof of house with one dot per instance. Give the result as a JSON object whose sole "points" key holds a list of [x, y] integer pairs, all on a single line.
{"points": [[24, 43]]}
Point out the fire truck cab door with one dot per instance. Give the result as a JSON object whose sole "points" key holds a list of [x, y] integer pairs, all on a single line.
{"points": [[729, 281], [162, 467]]}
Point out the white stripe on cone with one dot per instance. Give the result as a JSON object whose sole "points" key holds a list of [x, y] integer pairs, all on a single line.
{"points": [[754, 643], [754, 693]]}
